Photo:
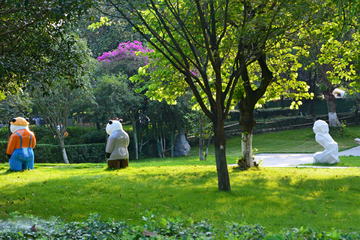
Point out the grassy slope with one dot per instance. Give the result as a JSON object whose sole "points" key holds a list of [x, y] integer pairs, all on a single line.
{"points": [[184, 187], [289, 141]]}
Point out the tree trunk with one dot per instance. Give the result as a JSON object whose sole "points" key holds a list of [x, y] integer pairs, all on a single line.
{"points": [[247, 105], [172, 141], [133, 121], [62, 145], [207, 147], [331, 105], [329, 97], [246, 148], [201, 142], [220, 156], [312, 101], [247, 124]]}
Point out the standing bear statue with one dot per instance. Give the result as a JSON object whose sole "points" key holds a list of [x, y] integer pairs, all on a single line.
{"points": [[20, 145], [117, 154], [330, 154]]}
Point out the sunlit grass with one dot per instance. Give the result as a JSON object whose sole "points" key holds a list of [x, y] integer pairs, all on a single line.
{"points": [[289, 141], [345, 161], [273, 197], [184, 187]]}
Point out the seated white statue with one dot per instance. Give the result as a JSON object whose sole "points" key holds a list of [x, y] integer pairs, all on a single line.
{"points": [[330, 154]]}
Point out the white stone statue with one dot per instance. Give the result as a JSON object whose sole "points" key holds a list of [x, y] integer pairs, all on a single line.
{"points": [[330, 154]]}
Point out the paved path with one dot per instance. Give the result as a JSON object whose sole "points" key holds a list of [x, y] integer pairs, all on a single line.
{"points": [[292, 159]]}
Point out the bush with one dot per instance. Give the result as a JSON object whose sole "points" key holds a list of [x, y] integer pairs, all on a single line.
{"points": [[48, 153], [4, 133], [81, 145], [86, 153], [30, 227], [274, 112], [77, 135]]}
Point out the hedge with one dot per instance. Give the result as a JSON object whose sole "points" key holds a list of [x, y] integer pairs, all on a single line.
{"points": [[274, 112], [47, 153]]}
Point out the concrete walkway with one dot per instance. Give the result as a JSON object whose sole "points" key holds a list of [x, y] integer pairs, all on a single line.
{"points": [[294, 159]]}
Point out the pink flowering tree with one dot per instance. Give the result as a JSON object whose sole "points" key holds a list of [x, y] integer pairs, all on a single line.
{"points": [[119, 65], [127, 58]]}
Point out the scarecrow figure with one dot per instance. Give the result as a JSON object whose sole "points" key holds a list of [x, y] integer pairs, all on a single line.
{"points": [[20, 145]]}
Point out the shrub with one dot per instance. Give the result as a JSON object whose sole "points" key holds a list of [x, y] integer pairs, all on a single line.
{"points": [[274, 112], [30, 227], [4, 133], [86, 153], [48, 153]]}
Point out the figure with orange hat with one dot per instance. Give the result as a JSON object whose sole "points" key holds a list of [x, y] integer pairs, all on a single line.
{"points": [[20, 146]]}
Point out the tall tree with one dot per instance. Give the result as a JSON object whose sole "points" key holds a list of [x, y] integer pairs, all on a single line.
{"points": [[219, 40], [28, 32], [334, 47], [127, 59], [54, 101], [17, 105]]}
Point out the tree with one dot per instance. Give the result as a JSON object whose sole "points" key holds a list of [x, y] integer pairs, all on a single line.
{"points": [[334, 47], [28, 32], [103, 35], [165, 119], [54, 101], [17, 105], [127, 59], [55, 108], [201, 126], [213, 44]]}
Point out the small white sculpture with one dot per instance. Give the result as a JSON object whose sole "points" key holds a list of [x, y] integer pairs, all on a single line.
{"points": [[330, 154]]}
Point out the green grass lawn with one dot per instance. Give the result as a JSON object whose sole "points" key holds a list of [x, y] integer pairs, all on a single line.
{"points": [[184, 187]]}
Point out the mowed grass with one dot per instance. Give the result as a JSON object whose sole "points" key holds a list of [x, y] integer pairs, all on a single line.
{"points": [[185, 188], [288, 141]]}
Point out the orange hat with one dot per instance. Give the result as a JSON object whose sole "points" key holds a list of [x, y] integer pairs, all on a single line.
{"points": [[19, 121]]}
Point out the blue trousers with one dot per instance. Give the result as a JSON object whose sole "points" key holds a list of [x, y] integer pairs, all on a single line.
{"points": [[20, 160]]}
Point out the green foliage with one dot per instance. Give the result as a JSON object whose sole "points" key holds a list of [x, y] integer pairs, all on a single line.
{"points": [[103, 34], [109, 92], [95, 228], [42, 53], [15, 105], [4, 133], [48, 153], [42, 134]]}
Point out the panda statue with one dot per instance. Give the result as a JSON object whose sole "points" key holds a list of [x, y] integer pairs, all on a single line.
{"points": [[20, 145], [117, 154]]}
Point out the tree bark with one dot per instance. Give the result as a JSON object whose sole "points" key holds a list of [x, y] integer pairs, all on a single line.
{"points": [[312, 89], [62, 146], [329, 97], [201, 142], [207, 147], [247, 106], [220, 156], [133, 122], [247, 123]]}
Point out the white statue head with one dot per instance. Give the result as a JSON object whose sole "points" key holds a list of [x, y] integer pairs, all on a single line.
{"points": [[320, 126], [18, 123], [113, 125]]}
